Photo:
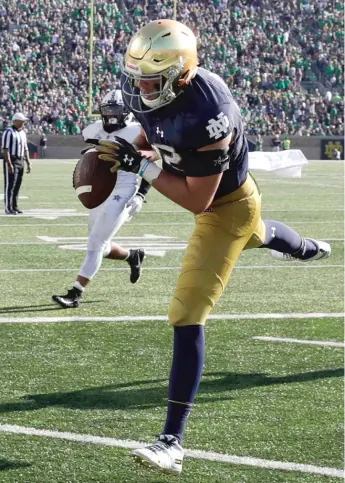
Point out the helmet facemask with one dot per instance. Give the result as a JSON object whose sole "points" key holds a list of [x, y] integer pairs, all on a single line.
{"points": [[113, 116], [167, 88]]}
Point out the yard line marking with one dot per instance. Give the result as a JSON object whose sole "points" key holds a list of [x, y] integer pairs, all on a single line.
{"points": [[69, 244], [179, 212], [44, 216], [125, 269], [133, 223], [19, 197], [301, 341], [301, 184], [197, 454], [164, 318], [52, 216]]}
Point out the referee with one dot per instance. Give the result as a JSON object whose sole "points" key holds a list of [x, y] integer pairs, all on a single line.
{"points": [[15, 148]]}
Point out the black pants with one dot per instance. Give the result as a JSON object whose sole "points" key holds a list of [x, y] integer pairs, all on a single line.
{"points": [[12, 183]]}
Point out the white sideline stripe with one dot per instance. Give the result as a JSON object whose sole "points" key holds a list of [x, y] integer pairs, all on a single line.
{"points": [[125, 269], [301, 341], [197, 454], [164, 318]]}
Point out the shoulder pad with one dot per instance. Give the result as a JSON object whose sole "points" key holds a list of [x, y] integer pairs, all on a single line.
{"points": [[92, 130]]}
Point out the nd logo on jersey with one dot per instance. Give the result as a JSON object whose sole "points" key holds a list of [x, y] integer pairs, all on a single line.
{"points": [[218, 126]]}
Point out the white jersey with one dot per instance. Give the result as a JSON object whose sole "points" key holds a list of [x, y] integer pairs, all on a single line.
{"points": [[96, 131], [129, 133], [107, 219]]}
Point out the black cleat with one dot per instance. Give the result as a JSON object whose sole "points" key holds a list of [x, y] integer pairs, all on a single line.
{"points": [[71, 300], [135, 259], [18, 211], [10, 212]]}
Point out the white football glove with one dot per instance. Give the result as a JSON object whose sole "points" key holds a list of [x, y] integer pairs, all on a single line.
{"points": [[135, 205]]}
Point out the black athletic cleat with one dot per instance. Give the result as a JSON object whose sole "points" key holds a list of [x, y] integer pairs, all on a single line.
{"points": [[135, 259], [71, 300]]}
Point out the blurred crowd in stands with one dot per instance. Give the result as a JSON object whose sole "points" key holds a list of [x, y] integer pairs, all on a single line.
{"points": [[283, 59]]}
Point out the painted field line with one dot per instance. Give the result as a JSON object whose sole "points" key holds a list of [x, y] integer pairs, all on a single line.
{"points": [[50, 216], [301, 184], [164, 318], [179, 212], [73, 239], [197, 454], [125, 269], [133, 223], [330, 210], [300, 341]]}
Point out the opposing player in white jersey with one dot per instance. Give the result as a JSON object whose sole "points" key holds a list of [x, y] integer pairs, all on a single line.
{"points": [[124, 202]]}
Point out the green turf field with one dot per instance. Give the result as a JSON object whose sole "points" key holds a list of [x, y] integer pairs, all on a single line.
{"points": [[272, 404]]}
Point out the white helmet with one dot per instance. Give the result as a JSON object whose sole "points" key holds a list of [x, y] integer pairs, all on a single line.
{"points": [[113, 111]]}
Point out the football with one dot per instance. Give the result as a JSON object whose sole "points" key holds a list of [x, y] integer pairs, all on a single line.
{"points": [[92, 179]]}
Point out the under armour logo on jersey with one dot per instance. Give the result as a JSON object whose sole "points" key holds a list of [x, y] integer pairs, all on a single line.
{"points": [[273, 234], [127, 160], [218, 126], [116, 197], [158, 131]]}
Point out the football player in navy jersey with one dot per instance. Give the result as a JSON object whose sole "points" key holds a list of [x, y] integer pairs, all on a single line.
{"points": [[190, 120]]}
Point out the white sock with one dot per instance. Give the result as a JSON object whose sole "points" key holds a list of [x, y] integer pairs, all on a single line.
{"points": [[78, 286]]}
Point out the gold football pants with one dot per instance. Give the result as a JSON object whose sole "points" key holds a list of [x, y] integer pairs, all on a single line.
{"points": [[233, 224]]}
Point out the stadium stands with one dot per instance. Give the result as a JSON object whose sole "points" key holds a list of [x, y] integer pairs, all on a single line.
{"points": [[281, 58]]}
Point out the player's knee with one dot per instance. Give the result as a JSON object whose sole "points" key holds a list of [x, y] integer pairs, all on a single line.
{"points": [[189, 307], [196, 294], [96, 244], [107, 250]]}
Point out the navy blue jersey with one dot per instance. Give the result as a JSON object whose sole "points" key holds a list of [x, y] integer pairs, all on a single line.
{"points": [[203, 114]]}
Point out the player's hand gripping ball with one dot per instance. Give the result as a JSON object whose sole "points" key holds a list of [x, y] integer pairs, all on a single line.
{"points": [[121, 154]]}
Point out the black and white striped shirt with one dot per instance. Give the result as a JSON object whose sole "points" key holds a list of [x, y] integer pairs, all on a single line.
{"points": [[15, 141]]}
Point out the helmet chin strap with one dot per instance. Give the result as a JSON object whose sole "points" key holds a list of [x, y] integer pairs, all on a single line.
{"points": [[150, 102]]}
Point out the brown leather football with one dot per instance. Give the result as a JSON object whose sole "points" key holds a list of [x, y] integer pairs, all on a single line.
{"points": [[92, 179]]}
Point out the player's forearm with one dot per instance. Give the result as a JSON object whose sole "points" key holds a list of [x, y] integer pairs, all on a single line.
{"points": [[144, 188], [180, 192]]}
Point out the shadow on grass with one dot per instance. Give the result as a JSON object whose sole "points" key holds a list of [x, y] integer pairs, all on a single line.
{"points": [[137, 395], [6, 465], [40, 307]]}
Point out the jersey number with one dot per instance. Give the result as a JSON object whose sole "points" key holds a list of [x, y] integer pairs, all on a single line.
{"points": [[169, 155]]}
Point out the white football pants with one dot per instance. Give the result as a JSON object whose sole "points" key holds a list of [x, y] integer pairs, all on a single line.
{"points": [[106, 220]]}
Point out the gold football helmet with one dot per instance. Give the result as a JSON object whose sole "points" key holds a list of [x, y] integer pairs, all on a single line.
{"points": [[165, 52]]}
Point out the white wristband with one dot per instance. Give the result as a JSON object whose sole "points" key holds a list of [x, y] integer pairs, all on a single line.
{"points": [[149, 170]]}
